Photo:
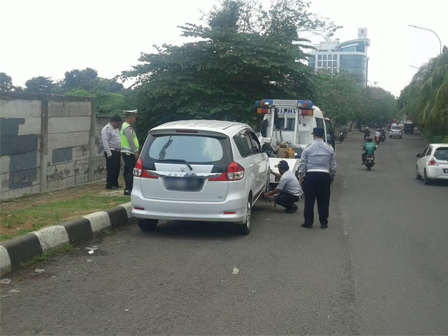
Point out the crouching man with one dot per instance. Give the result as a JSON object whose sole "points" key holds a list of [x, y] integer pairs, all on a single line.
{"points": [[288, 189]]}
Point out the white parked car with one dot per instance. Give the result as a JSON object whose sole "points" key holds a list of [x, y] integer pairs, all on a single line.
{"points": [[433, 163], [199, 170], [396, 132]]}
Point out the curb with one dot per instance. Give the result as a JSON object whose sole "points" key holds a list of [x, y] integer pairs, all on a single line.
{"points": [[20, 249]]}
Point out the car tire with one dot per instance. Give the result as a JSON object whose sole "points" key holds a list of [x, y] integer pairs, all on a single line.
{"points": [[147, 224], [426, 180], [417, 175], [244, 228]]}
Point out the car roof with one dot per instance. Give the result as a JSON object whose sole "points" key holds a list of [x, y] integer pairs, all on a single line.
{"points": [[437, 145], [219, 126]]}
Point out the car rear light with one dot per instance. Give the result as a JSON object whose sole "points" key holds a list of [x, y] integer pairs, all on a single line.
{"points": [[140, 172], [432, 162], [235, 172]]}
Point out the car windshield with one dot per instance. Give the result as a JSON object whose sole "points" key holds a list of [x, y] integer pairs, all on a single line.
{"points": [[193, 149], [441, 154]]}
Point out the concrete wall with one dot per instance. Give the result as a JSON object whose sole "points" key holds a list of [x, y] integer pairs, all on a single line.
{"points": [[48, 142]]}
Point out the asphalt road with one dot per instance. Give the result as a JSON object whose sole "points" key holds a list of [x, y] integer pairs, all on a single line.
{"points": [[380, 268]]}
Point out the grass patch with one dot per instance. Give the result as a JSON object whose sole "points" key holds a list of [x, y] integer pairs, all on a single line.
{"points": [[33, 261], [44, 256], [20, 221]]}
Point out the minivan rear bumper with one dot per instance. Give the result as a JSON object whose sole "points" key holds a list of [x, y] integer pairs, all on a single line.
{"points": [[231, 210]]}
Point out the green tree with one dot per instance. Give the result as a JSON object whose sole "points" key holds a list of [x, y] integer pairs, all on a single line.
{"points": [[379, 106], [425, 99], [5, 83], [339, 95], [39, 84], [236, 60], [85, 79]]}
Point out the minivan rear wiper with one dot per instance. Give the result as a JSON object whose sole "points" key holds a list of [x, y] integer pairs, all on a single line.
{"points": [[175, 160]]}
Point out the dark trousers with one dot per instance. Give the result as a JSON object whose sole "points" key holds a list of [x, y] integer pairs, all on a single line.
{"points": [[113, 164], [286, 200], [129, 165], [317, 186]]}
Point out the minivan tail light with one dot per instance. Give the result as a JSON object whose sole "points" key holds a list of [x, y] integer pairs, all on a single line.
{"points": [[235, 172], [432, 162], [140, 172]]}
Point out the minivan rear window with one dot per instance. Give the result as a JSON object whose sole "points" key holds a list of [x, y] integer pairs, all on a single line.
{"points": [[441, 154], [193, 149]]}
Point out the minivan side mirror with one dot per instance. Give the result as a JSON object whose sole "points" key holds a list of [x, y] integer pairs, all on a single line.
{"points": [[418, 155]]}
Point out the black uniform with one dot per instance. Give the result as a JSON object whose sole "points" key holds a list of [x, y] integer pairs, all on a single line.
{"points": [[317, 168]]}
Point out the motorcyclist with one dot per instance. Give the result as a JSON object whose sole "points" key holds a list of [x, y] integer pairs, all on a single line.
{"points": [[366, 133], [383, 134], [369, 149]]}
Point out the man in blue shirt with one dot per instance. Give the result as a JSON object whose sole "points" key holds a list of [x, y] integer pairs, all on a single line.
{"points": [[288, 189], [316, 172]]}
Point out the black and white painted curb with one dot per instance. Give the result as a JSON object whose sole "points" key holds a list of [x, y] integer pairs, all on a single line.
{"points": [[20, 249]]}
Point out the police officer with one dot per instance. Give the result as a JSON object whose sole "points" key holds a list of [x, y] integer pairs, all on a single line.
{"points": [[316, 172], [110, 137], [129, 148], [288, 189]]}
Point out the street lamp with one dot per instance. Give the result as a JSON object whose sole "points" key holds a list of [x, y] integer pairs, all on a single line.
{"points": [[440, 42]]}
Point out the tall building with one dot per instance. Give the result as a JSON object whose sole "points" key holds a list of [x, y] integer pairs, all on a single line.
{"points": [[350, 56]]}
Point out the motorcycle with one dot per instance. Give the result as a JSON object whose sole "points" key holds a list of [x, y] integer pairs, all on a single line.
{"points": [[377, 140], [341, 137], [383, 137], [370, 162]]}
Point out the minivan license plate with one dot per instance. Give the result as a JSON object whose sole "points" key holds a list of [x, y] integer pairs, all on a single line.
{"points": [[183, 183], [445, 171]]}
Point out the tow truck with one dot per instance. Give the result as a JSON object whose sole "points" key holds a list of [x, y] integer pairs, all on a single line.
{"points": [[286, 129]]}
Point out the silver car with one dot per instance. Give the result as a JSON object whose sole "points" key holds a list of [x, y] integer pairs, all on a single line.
{"points": [[199, 170], [396, 132], [433, 163]]}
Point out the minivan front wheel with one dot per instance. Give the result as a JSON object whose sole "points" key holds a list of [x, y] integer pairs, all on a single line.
{"points": [[244, 228], [147, 224]]}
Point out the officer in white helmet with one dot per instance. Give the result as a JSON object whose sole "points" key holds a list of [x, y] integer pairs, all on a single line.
{"points": [[129, 148]]}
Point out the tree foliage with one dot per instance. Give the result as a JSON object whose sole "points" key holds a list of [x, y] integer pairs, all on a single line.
{"points": [[39, 85], [339, 95], [243, 53], [5, 83], [425, 99]]}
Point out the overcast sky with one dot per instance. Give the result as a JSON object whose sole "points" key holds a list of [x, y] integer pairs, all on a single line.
{"points": [[47, 38]]}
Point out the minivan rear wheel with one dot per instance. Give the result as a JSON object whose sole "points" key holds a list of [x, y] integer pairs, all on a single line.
{"points": [[147, 224], [244, 228]]}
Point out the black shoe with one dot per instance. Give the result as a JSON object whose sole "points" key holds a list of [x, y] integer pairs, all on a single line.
{"points": [[117, 185], [324, 226], [127, 192], [307, 226], [292, 210]]}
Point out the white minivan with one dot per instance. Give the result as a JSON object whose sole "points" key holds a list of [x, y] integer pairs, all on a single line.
{"points": [[199, 170]]}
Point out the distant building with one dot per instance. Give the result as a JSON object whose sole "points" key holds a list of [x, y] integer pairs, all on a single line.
{"points": [[350, 56]]}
